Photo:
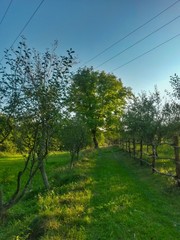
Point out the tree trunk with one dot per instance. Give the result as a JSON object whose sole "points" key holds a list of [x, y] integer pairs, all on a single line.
{"points": [[2, 210], [77, 155], [72, 159], [42, 153], [154, 155], [129, 146], [96, 145], [134, 148], [44, 175], [19, 191], [141, 152], [177, 159]]}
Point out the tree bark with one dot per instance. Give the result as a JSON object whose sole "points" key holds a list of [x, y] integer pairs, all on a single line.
{"points": [[44, 175], [96, 145], [73, 154], [42, 153]]}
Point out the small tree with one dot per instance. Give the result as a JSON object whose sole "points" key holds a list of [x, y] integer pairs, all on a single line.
{"points": [[32, 90], [143, 121], [171, 109], [172, 123], [74, 137]]}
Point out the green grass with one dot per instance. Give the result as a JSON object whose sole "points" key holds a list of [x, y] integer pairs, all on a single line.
{"points": [[106, 196], [129, 204]]}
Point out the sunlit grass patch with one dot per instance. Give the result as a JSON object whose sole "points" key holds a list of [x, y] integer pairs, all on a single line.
{"points": [[65, 207]]}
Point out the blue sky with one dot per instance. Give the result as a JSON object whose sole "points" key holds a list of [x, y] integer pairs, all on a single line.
{"points": [[90, 26]]}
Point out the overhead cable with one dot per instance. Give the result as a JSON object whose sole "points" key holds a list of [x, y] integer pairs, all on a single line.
{"points": [[133, 31], [142, 39], [7, 9], [25, 26], [141, 55]]}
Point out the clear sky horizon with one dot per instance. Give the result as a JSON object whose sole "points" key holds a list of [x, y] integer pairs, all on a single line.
{"points": [[91, 26]]}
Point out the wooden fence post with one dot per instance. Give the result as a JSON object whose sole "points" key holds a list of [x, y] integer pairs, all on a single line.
{"points": [[177, 159]]}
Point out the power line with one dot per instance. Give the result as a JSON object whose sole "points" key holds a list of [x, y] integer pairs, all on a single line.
{"points": [[27, 23], [142, 39], [25, 26], [7, 9], [141, 55], [130, 33]]}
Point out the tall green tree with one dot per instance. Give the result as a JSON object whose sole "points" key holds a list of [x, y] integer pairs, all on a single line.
{"points": [[99, 98], [144, 120], [172, 107], [172, 123], [74, 136]]}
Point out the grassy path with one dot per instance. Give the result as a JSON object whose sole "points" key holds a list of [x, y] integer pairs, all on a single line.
{"points": [[129, 205], [107, 196]]}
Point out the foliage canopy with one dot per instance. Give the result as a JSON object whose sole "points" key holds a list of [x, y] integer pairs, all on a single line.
{"points": [[99, 98]]}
